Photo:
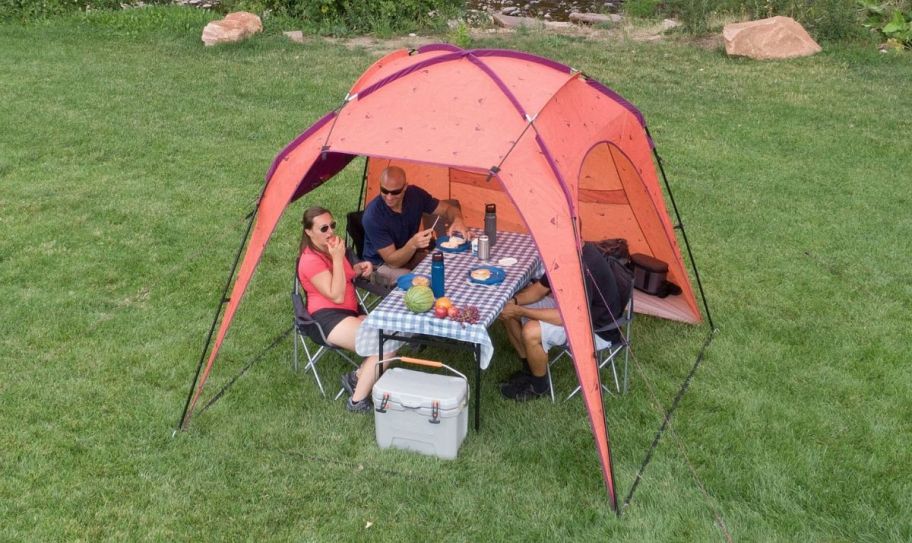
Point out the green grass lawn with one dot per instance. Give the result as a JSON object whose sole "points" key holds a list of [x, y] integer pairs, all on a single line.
{"points": [[129, 155]]}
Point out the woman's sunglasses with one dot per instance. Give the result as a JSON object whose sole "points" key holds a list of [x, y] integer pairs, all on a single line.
{"points": [[325, 228], [396, 192]]}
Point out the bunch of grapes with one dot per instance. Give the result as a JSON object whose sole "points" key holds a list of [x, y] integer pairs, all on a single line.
{"points": [[467, 315]]}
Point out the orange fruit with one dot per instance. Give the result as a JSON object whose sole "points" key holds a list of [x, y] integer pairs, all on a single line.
{"points": [[443, 302]]}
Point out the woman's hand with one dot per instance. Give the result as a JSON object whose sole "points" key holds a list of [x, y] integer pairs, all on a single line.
{"points": [[364, 269], [336, 247]]}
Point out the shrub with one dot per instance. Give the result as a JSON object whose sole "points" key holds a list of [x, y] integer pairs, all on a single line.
{"points": [[25, 10], [325, 16], [358, 16], [643, 9], [834, 20], [891, 21]]}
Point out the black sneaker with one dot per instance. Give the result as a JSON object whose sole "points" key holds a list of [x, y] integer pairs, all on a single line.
{"points": [[516, 376], [350, 382], [362, 406], [522, 390]]}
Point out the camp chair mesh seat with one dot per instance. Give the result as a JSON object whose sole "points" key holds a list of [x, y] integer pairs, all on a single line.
{"points": [[307, 328], [607, 355]]}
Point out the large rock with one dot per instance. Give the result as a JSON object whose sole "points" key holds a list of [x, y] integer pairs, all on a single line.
{"points": [[776, 37], [595, 18], [296, 36], [509, 21], [234, 27]]}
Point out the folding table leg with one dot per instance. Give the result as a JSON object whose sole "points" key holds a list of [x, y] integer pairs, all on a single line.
{"points": [[380, 353], [477, 387]]}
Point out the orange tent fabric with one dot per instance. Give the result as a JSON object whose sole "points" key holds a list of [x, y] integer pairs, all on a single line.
{"points": [[553, 148]]}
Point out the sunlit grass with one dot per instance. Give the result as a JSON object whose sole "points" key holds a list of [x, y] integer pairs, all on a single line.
{"points": [[128, 160]]}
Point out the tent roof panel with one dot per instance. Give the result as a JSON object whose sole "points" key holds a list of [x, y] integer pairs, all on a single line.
{"points": [[450, 113]]}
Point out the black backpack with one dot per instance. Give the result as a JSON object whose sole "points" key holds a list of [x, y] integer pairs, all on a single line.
{"points": [[623, 277], [615, 247]]}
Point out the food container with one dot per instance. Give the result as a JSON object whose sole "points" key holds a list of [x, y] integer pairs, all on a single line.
{"points": [[422, 412]]}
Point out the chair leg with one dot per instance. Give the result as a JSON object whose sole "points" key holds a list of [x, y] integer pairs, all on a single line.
{"points": [[626, 356], [295, 363], [602, 363], [311, 365], [550, 383], [551, 363], [614, 373]]}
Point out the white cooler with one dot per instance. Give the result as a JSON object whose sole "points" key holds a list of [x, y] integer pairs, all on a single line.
{"points": [[422, 412]]}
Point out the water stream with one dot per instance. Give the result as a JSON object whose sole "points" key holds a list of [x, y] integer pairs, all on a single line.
{"points": [[545, 9]]}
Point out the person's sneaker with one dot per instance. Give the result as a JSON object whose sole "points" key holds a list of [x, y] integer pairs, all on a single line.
{"points": [[350, 382], [522, 390], [516, 376], [362, 406]]}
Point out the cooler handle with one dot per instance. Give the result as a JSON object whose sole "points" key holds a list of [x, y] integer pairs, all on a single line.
{"points": [[423, 362]]}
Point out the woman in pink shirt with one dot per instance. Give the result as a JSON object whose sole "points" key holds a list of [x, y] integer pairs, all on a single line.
{"points": [[326, 277]]}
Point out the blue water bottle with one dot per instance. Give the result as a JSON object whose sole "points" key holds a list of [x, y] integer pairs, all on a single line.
{"points": [[437, 274]]}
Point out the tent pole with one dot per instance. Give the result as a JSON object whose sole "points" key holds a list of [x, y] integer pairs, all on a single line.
{"points": [[185, 416], [693, 263], [361, 194], [577, 230]]}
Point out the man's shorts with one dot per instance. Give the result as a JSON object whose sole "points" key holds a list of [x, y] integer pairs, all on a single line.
{"points": [[553, 335]]}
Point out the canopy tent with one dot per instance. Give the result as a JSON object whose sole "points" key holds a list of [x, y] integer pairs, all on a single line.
{"points": [[552, 147]]}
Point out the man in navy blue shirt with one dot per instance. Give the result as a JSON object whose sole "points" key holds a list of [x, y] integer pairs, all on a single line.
{"points": [[393, 238]]}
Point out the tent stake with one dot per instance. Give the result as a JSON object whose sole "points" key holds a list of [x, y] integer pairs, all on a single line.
{"points": [[185, 415]]}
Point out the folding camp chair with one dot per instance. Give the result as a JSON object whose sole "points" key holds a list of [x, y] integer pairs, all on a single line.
{"points": [[369, 293], [622, 327], [307, 328]]}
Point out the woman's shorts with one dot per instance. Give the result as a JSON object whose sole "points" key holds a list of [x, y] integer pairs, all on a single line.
{"points": [[328, 319]]}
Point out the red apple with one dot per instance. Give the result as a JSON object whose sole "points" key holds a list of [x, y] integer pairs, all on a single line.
{"points": [[440, 312], [453, 312]]}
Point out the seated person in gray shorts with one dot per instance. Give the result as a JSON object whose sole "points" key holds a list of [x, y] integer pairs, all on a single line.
{"points": [[393, 238], [534, 324]]}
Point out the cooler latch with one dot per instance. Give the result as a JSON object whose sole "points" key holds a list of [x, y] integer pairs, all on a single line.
{"points": [[435, 413], [386, 399]]}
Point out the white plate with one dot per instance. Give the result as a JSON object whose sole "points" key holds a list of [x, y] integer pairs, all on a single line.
{"points": [[506, 261]]}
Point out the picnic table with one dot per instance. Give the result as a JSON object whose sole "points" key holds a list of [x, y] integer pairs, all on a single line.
{"points": [[391, 324]]}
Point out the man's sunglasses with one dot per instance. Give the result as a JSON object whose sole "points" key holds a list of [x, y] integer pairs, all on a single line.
{"points": [[396, 192], [325, 228]]}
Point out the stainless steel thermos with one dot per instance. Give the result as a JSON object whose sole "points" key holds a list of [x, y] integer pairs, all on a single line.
{"points": [[484, 247], [490, 223]]}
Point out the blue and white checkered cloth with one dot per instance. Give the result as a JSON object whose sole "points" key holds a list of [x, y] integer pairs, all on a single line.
{"points": [[391, 315]]}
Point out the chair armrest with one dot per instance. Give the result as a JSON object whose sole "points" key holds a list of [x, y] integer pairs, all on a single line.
{"points": [[616, 323], [373, 288]]}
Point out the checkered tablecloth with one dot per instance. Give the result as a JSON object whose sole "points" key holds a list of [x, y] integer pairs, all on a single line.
{"points": [[391, 314]]}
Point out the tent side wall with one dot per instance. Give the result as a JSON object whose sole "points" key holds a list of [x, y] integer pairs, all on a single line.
{"points": [[285, 179], [613, 202], [546, 213], [472, 189]]}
